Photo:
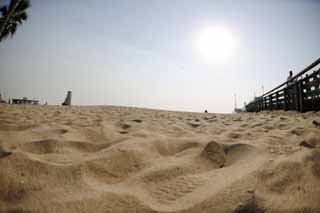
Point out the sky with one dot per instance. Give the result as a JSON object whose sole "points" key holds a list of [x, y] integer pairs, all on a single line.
{"points": [[143, 53]]}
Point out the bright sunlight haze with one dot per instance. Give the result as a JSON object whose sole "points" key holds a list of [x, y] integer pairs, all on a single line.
{"points": [[215, 44]]}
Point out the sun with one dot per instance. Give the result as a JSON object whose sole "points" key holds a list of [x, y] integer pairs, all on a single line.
{"points": [[215, 44]]}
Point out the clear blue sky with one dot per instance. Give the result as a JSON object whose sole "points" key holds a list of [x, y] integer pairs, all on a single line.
{"points": [[141, 52]]}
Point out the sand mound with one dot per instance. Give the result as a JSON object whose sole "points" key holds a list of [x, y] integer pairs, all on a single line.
{"points": [[169, 147], [187, 145], [52, 146], [282, 177], [290, 184], [313, 139], [23, 177], [238, 151], [43, 147], [226, 154], [165, 174], [215, 152], [120, 159], [117, 164]]}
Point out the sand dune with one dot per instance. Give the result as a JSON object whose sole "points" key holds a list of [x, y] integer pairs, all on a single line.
{"points": [[121, 159]]}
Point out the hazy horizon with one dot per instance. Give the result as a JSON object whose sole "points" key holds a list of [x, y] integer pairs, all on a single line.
{"points": [[143, 53]]}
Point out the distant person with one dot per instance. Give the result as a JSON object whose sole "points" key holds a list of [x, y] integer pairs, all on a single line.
{"points": [[205, 111], [289, 78]]}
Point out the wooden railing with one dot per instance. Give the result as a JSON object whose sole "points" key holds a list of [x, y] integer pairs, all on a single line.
{"points": [[301, 93]]}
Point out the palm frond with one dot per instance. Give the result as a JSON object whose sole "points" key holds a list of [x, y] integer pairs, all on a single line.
{"points": [[20, 17], [11, 16], [23, 5], [4, 35], [4, 10], [13, 4], [13, 29]]}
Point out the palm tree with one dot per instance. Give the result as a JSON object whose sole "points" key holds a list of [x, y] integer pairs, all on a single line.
{"points": [[11, 16]]}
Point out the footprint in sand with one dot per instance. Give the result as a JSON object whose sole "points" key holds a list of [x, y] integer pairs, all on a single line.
{"points": [[123, 125], [233, 135], [194, 125], [175, 189]]}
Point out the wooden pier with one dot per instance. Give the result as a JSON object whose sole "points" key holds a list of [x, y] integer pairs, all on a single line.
{"points": [[301, 93], [24, 101]]}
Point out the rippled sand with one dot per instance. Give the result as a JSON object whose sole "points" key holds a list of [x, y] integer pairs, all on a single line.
{"points": [[120, 159]]}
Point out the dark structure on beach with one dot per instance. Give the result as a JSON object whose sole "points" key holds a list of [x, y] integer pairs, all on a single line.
{"points": [[24, 101], [301, 93], [67, 101]]}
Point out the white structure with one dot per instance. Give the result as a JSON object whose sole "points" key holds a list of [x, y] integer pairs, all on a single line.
{"points": [[67, 101]]}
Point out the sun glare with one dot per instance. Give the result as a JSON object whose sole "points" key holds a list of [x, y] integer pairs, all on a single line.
{"points": [[215, 44]]}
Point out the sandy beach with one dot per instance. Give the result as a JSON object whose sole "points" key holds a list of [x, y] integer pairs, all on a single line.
{"points": [[121, 159]]}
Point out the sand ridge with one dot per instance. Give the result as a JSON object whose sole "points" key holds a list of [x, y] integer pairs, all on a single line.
{"points": [[122, 159]]}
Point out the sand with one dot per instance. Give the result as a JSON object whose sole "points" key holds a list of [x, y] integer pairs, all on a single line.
{"points": [[121, 159]]}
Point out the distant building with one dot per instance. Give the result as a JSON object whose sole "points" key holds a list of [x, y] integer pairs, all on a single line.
{"points": [[24, 100]]}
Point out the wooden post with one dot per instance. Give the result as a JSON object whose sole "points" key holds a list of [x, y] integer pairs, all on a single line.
{"points": [[277, 99], [285, 99], [260, 104], [313, 105], [265, 103], [270, 102], [300, 88], [296, 97]]}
